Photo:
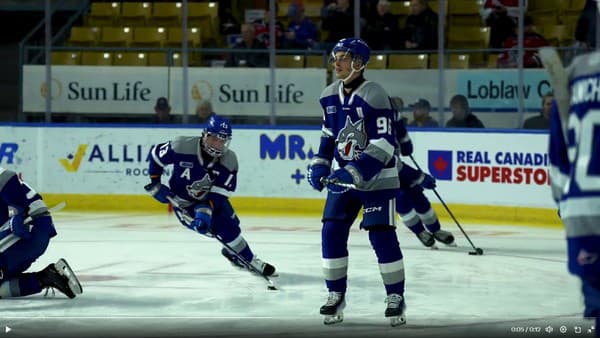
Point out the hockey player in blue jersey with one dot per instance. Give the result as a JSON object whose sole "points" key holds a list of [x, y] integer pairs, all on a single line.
{"points": [[357, 148], [575, 174], [411, 203], [204, 175], [24, 237]]}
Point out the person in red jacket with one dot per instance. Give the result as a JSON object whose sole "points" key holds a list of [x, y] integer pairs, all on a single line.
{"points": [[531, 39]]}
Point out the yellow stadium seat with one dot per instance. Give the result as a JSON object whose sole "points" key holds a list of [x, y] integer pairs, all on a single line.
{"points": [[377, 61], [557, 35], [545, 19], [434, 6], [570, 20], [116, 36], [204, 15], [96, 59], [104, 14], [407, 61], [175, 37], [573, 7], [161, 59], [460, 61], [166, 14], [492, 60], [468, 37], [149, 36], [66, 58], [282, 8], [135, 13], [401, 8], [316, 61], [130, 59], [464, 13], [312, 11], [84, 36], [289, 61], [543, 6]]}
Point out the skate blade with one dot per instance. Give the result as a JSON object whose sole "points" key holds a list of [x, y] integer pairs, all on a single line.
{"points": [[398, 320], [452, 244], [65, 270], [333, 319], [434, 247]]}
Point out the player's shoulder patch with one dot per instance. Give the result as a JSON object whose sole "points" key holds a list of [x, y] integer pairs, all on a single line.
{"points": [[185, 144], [374, 94], [229, 160], [332, 89]]}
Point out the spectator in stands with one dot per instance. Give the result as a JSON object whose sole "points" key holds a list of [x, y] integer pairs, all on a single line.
{"points": [[337, 18], [501, 16], [249, 59], [382, 30], [531, 39], [461, 114], [421, 30], [204, 111], [261, 28], [228, 24], [542, 121], [585, 31], [162, 111], [301, 32], [421, 116]]}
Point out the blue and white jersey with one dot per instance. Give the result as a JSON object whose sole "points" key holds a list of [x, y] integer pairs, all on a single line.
{"points": [[194, 179], [360, 129], [19, 195], [576, 177]]}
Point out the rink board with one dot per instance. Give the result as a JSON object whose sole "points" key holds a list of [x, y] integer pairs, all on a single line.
{"points": [[491, 175]]}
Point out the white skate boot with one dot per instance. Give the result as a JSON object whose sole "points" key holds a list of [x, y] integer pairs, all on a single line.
{"points": [[445, 237], [395, 309], [332, 310]]}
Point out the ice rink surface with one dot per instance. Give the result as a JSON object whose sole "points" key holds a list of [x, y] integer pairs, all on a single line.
{"points": [[147, 276]]}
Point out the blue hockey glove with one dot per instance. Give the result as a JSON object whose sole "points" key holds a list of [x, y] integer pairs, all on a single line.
{"points": [[202, 219], [406, 148], [18, 227], [339, 176], [426, 181], [159, 191], [318, 169]]}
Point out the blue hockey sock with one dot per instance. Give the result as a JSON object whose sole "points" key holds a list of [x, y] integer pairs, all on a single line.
{"points": [[24, 285]]}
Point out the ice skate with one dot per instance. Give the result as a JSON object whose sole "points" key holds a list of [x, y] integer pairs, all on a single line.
{"points": [[395, 309], [264, 268], [427, 239], [333, 308], [232, 258], [61, 277], [445, 237]]}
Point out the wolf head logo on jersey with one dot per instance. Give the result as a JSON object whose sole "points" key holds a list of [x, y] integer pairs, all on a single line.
{"points": [[199, 189], [351, 140]]}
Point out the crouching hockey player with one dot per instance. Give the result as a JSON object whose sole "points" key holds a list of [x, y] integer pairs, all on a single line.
{"points": [[204, 176], [24, 237], [411, 203]]}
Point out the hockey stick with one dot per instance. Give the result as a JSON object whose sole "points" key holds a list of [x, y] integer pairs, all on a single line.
{"points": [[478, 251], [559, 82], [325, 181], [250, 267]]}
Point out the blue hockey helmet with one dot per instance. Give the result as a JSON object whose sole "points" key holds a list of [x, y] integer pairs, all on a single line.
{"points": [[357, 48], [216, 136]]}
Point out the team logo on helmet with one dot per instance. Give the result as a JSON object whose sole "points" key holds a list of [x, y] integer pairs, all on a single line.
{"points": [[351, 140], [199, 189]]}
